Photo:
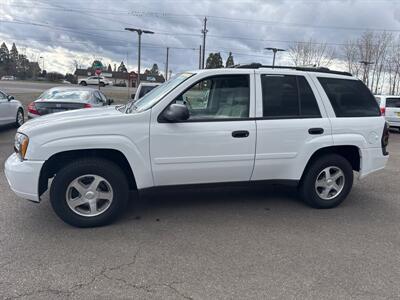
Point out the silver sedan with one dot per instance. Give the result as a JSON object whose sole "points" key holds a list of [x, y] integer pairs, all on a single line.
{"points": [[11, 110]]}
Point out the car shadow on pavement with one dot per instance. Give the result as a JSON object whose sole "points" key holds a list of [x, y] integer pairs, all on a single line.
{"points": [[168, 200], [5, 128]]}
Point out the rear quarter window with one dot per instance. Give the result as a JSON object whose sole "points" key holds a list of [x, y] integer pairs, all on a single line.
{"points": [[350, 98]]}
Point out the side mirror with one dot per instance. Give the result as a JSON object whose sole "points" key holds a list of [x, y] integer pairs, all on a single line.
{"points": [[175, 113], [10, 98], [110, 101], [133, 96]]}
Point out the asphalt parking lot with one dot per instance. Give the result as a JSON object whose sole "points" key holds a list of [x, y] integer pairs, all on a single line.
{"points": [[237, 243]]}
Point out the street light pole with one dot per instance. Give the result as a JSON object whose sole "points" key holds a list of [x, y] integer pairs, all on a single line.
{"points": [[166, 65], [204, 32], [42, 63], [274, 50], [139, 32]]}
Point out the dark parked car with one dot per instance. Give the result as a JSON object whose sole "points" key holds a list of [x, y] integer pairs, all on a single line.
{"points": [[60, 99]]}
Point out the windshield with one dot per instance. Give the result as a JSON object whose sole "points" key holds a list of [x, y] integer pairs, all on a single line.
{"points": [[157, 94], [70, 95]]}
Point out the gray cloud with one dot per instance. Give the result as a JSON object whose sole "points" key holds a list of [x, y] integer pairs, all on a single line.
{"points": [[94, 29]]}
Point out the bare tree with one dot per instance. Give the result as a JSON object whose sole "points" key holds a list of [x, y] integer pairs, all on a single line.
{"points": [[311, 53], [367, 57], [77, 63], [352, 57], [392, 66]]}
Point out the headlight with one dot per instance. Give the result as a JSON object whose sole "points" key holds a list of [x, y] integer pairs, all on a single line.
{"points": [[21, 145]]}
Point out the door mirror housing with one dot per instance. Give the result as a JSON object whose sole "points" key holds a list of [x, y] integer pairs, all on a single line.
{"points": [[175, 113], [110, 101], [10, 98]]}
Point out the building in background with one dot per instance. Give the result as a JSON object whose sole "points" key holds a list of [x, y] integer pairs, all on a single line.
{"points": [[119, 76]]}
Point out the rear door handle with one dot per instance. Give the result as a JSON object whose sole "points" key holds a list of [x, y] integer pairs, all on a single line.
{"points": [[240, 134], [316, 130]]}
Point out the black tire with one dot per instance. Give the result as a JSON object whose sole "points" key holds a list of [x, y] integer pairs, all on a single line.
{"points": [[102, 84], [83, 83], [308, 188], [101, 167], [19, 123]]}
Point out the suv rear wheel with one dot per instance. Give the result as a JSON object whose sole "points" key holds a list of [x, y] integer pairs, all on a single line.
{"points": [[327, 181], [89, 192]]}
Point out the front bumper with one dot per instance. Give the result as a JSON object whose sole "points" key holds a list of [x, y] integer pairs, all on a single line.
{"points": [[23, 177]]}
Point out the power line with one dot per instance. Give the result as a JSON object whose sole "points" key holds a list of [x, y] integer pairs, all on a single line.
{"points": [[213, 17]]}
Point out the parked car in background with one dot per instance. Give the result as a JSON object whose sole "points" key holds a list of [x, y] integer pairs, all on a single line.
{"points": [[390, 108], [143, 89], [11, 110], [95, 80], [310, 127], [8, 78], [63, 98]]}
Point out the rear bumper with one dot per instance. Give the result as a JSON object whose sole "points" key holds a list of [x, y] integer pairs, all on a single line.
{"points": [[31, 116], [23, 177], [394, 124], [372, 160]]}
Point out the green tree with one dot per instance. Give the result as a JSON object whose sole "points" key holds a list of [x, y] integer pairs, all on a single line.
{"points": [[54, 76], [14, 53], [109, 68], [4, 53], [122, 67], [154, 70], [229, 61], [214, 61], [71, 78]]}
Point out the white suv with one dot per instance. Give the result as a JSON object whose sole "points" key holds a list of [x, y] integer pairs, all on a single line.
{"points": [[390, 108], [311, 127], [95, 80]]}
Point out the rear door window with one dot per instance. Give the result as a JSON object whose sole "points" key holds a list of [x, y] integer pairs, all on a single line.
{"points": [[288, 96], [350, 98]]}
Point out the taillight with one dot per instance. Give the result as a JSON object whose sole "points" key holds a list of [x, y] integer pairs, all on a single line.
{"points": [[87, 105], [383, 111], [385, 139], [32, 109]]}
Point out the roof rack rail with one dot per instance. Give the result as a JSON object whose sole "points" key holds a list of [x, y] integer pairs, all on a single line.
{"points": [[307, 69]]}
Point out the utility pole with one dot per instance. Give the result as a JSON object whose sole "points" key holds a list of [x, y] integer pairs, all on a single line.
{"points": [[200, 57], [166, 65], [204, 32], [139, 32], [274, 50], [365, 63]]}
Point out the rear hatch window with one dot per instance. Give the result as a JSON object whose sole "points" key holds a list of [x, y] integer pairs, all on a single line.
{"points": [[350, 98], [393, 102]]}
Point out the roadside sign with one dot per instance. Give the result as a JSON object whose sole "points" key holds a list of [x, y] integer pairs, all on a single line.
{"points": [[98, 72]]}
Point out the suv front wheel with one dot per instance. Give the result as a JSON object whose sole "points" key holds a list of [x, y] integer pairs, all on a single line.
{"points": [[89, 192], [327, 181]]}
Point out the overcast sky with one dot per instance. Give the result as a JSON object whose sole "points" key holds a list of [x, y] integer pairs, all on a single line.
{"points": [[61, 31]]}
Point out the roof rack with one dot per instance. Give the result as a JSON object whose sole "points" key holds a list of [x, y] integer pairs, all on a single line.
{"points": [[307, 69]]}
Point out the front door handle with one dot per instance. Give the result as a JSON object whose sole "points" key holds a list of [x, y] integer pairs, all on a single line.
{"points": [[316, 130], [240, 134]]}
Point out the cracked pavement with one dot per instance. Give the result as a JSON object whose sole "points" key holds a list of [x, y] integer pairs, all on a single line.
{"points": [[247, 243]]}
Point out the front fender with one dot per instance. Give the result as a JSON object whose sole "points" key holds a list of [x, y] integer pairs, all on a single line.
{"points": [[136, 155]]}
